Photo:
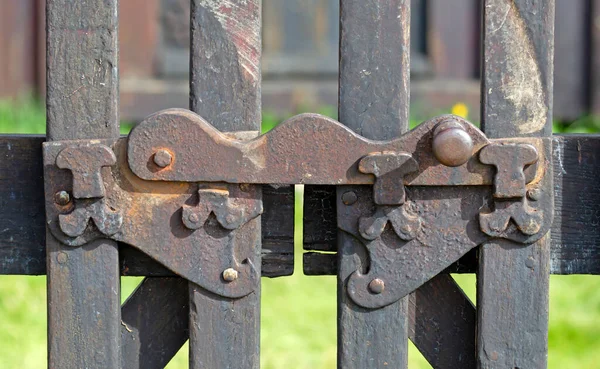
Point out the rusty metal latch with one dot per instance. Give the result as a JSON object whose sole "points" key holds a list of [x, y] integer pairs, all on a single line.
{"points": [[183, 192]]}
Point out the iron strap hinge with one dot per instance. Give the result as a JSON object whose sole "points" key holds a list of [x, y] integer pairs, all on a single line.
{"points": [[185, 194]]}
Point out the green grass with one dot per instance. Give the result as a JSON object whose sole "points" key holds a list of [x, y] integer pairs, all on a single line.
{"points": [[298, 315]]}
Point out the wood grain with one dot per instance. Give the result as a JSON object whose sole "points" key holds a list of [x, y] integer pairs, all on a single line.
{"points": [[373, 101], [84, 310], [513, 280], [225, 90], [154, 323]]}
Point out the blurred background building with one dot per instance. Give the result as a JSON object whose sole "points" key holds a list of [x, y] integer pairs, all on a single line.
{"points": [[300, 43]]}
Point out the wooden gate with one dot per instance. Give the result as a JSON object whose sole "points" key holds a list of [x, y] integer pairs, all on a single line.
{"points": [[186, 200]]}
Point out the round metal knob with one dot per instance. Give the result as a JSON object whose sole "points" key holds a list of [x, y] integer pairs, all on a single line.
{"points": [[452, 145]]}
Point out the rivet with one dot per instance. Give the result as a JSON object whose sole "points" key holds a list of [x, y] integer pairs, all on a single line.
{"points": [[349, 198], [230, 275], [406, 228], [163, 158], [452, 145], [530, 263], [376, 286], [62, 198], [193, 218], [534, 194], [245, 187], [62, 257], [369, 231]]}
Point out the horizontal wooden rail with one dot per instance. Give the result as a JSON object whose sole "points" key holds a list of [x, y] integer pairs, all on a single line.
{"points": [[575, 241], [575, 247], [23, 231]]}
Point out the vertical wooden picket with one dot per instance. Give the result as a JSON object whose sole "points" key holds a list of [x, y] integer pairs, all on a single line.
{"points": [[225, 90], [513, 279], [82, 103], [373, 101]]}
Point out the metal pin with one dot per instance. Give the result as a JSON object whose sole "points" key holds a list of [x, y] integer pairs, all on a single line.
{"points": [[163, 158], [230, 275], [376, 286]]}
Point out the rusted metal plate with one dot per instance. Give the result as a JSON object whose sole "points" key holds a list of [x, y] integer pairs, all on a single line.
{"points": [[152, 220], [204, 224], [306, 149], [446, 228]]}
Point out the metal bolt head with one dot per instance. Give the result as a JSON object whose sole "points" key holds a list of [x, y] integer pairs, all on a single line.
{"points": [[452, 145], [534, 194], [245, 187], [62, 198], [230, 218], [376, 286], [230, 275], [163, 158], [349, 198]]}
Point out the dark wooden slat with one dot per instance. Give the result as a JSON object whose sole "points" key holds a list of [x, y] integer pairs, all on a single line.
{"points": [[154, 323], [319, 218], [84, 310], [225, 89], [575, 247], [23, 236], [277, 228], [442, 324], [373, 101], [512, 280]]}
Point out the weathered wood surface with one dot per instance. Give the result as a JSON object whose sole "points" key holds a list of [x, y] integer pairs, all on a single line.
{"points": [[154, 323], [442, 324], [84, 309], [373, 102], [225, 79], [512, 280], [277, 228]]}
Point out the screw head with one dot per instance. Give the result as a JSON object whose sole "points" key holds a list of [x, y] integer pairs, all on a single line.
{"points": [[230, 275], [62, 198], [244, 187], [349, 198], [534, 194], [376, 286], [163, 158], [452, 145]]}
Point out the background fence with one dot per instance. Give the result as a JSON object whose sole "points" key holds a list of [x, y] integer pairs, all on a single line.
{"points": [[300, 42]]}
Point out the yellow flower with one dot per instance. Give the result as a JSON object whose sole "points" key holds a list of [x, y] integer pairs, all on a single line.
{"points": [[460, 109]]}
